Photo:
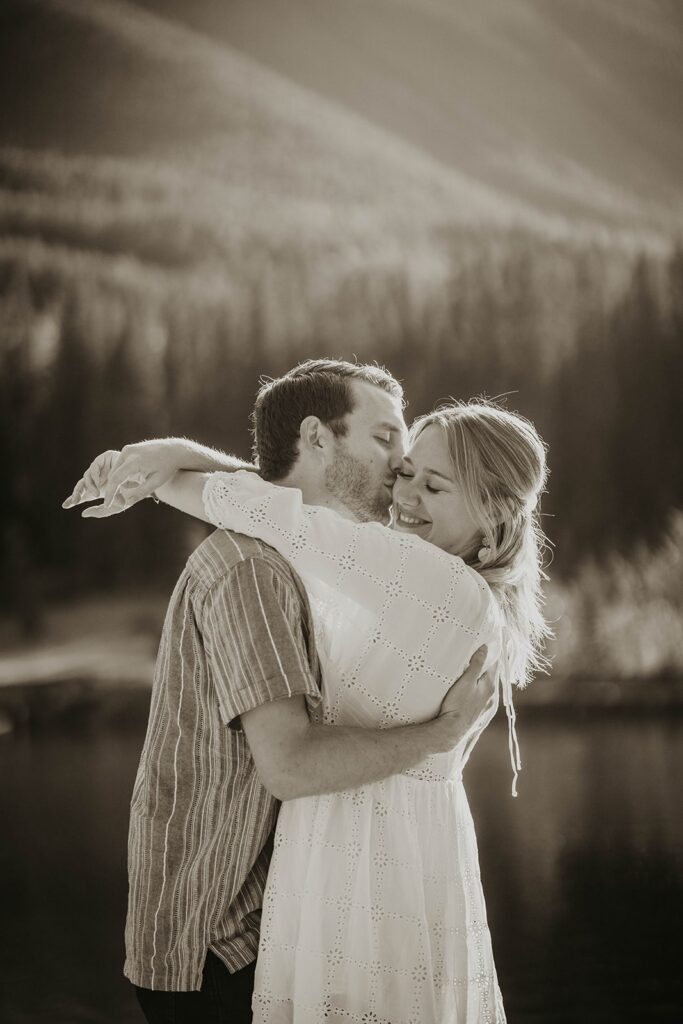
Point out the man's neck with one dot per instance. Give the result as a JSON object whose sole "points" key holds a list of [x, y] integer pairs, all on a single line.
{"points": [[315, 494]]}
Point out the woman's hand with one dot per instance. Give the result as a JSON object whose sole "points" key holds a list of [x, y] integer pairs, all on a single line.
{"points": [[123, 478], [139, 470]]}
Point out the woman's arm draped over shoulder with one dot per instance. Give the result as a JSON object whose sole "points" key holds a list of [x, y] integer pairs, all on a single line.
{"points": [[365, 561], [184, 492], [144, 470]]}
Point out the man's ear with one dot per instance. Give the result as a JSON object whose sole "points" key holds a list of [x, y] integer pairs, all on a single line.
{"points": [[315, 437]]}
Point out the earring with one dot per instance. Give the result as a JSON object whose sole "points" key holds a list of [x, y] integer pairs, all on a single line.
{"points": [[484, 553]]}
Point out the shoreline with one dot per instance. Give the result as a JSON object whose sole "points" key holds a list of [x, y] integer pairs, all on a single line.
{"points": [[90, 703], [94, 663]]}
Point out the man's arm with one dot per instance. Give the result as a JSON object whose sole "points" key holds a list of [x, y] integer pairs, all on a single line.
{"points": [[122, 478], [251, 623], [295, 757]]}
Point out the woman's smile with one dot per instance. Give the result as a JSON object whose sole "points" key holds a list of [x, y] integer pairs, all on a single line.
{"points": [[407, 518]]}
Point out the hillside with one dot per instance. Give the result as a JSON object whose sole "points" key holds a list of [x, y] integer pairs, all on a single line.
{"points": [[572, 107], [94, 80], [139, 147], [178, 97], [143, 151]]}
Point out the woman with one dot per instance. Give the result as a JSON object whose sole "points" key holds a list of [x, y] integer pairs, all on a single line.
{"points": [[374, 910]]}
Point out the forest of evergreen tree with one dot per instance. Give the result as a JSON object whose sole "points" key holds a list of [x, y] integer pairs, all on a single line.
{"points": [[96, 353]]}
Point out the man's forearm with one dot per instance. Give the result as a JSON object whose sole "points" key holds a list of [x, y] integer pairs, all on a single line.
{"points": [[332, 758], [202, 459]]}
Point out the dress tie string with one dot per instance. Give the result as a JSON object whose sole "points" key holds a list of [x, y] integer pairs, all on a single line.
{"points": [[513, 744]]}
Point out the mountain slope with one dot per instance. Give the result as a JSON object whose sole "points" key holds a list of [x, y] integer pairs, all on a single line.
{"points": [[108, 79], [573, 107]]}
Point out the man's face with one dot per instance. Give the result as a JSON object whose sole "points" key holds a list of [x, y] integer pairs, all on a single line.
{"points": [[363, 469]]}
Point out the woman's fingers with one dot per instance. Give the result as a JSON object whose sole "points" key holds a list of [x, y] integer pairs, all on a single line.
{"points": [[126, 472], [128, 493], [76, 496], [89, 487], [102, 511], [117, 478]]}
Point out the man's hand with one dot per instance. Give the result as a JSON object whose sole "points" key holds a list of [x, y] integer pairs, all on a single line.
{"points": [[295, 757], [123, 478], [471, 698]]}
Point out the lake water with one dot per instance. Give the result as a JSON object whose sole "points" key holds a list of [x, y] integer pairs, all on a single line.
{"points": [[583, 872]]}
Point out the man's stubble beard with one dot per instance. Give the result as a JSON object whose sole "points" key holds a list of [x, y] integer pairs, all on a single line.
{"points": [[349, 480]]}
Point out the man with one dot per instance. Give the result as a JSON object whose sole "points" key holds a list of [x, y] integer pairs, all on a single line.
{"points": [[229, 731]]}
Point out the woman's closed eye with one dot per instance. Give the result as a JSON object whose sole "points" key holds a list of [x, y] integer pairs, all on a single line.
{"points": [[410, 476]]}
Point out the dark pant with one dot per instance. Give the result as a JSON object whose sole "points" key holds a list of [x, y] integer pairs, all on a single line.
{"points": [[224, 998]]}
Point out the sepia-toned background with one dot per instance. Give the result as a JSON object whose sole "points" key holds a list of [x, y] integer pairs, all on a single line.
{"points": [[485, 196]]}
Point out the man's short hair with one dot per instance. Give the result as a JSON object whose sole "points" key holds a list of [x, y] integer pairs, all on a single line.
{"points": [[316, 387]]}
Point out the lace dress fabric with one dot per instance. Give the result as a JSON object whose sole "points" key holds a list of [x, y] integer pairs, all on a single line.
{"points": [[374, 911]]}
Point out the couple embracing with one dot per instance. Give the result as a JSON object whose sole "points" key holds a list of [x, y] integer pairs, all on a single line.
{"points": [[338, 645]]}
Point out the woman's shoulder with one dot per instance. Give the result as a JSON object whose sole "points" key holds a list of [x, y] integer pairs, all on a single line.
{"points": [[491, 621], [478, 600], [446, 579]]}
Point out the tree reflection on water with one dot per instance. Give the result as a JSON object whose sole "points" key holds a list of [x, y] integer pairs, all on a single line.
{"points": [[583, 873], [617, 927]]}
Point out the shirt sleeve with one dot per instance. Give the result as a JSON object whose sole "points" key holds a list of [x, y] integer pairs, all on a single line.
{"points": [[254, 638]]}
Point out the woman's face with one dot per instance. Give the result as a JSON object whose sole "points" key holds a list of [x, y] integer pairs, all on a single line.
{"points": [[427, 499]]}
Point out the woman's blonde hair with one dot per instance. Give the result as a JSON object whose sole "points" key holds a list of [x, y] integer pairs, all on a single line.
{"points": [[500, 463]]}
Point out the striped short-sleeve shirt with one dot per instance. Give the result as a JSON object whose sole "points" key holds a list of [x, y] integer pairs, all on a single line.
{"points": [[237, 634]]}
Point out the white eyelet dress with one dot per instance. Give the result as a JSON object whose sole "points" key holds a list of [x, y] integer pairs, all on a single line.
{"points": [[373, 911]]}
